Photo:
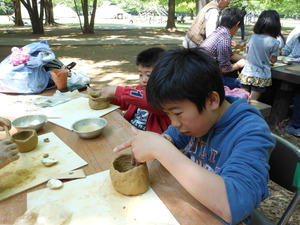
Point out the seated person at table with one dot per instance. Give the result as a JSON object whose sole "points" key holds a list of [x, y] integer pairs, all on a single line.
{"points": [[139, 113], [292, 48], [217, 146], [262, 48], [8, 150], [218, 46]]}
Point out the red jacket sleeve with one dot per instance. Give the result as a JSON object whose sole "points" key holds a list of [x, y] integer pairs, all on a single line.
{"points": [[125, 96]]}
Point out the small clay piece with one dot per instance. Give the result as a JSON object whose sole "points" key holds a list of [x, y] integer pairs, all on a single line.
{"points": [[46, 140], [49, 161], [54, 184], [26, 140], [129, 179], [96, 102], [45, 155]]}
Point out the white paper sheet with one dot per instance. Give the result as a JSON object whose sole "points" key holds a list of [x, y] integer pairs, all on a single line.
{"points": [[68, 113]]}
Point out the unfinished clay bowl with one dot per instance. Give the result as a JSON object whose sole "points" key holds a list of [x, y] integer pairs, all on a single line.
{"points": [[26, 140], [97, 102], [129, 179]]}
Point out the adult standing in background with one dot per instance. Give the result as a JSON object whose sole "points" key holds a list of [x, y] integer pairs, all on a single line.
{"points": [[205, 23], [242, 24]]}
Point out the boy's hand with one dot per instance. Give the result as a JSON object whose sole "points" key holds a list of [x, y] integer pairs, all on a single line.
{"points": [[145, 145], [8, 152], [108, 92], [4, 122]]}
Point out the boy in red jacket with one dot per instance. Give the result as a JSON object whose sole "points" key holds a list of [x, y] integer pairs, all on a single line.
{"points": [[138, 112]]}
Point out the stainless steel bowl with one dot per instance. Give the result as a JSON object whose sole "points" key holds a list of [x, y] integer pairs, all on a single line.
{"points": [[89, 128], [35, 122], [287, 60]]}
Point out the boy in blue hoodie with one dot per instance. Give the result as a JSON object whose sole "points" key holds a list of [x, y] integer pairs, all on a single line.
{"points": [[217, 147]]}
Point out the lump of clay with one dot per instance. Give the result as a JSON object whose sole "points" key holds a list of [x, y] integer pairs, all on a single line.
{"points": [[95, 101], [53, 213], [26, 140], [129, 179], [54, 184], [49, 161]]}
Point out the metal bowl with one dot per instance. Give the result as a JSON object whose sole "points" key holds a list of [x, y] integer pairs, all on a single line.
{"points": [[89, 128], [35, 122], [287, 60]]}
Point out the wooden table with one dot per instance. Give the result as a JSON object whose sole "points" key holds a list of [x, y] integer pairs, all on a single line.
{"points": [[99, 155], [285, 82]]}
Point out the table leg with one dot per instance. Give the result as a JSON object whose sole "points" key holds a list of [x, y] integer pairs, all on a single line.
{"points": [[282, 99]]}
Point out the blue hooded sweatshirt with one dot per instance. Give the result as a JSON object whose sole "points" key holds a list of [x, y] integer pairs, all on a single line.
{"points": [[237, 148]]}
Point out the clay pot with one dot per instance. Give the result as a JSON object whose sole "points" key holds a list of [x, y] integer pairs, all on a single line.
{"points": [[60, 77], [129, 179], [96, 102], [26, 140]]}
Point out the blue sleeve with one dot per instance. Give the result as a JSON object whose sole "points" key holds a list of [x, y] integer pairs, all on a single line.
{"points": [[180, 140], [249, 186]]}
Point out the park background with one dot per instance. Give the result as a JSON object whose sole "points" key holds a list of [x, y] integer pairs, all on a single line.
{"points": [[107, 55]]}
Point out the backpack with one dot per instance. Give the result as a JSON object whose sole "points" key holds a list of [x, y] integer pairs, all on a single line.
{"points": [[31, 76]]}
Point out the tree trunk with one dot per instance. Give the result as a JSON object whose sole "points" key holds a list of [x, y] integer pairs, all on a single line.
{"points": [[88, 26], [200, 4], [171, 16], [36, 15], [18, 16], [49, 17]]}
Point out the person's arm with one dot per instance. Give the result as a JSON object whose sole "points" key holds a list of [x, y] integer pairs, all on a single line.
{"points": [[211, 18], [288, 48], [225, 56], [136, 97], [195, 179]]}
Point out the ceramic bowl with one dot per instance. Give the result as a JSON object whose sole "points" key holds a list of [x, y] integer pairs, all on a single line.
{"points": [[35, 122], [287, 60], [89, 128]]}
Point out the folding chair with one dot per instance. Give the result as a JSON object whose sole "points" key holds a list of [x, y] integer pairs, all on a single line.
{"points": [[285, 171]]}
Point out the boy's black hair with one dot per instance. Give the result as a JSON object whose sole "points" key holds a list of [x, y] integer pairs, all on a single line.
{"points": [[184, 74], [268, 22], [149, 57], [230, 17]]}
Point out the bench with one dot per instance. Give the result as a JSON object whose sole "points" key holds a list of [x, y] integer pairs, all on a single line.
{"points": [[264, 109]]}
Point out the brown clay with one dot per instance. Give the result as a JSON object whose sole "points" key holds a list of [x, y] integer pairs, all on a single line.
{"points": [[127, 178], [26, 140], [96, 102]]}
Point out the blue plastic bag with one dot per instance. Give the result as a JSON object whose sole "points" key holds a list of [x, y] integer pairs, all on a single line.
{"points": [[28, 78]]}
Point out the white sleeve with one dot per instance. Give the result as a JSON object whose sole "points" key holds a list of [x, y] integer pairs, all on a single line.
{"points": [[211, 17]]}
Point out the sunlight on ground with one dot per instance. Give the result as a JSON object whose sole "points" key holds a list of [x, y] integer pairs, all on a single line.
{"points": [[96, 72]]}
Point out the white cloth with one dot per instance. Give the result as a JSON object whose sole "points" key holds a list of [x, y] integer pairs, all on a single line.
{"points": [[294, 32], [211, 18]]}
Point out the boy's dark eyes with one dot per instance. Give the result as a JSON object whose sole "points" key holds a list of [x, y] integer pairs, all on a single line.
{"points": [[178, 114]]}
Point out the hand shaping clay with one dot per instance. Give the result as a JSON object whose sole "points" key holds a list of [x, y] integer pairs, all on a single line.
{"points": [[129, 179]]}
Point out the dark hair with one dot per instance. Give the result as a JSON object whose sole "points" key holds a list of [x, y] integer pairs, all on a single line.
{"points": [[268, 22], [149, 56], [230, 17], [184, 74]]}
